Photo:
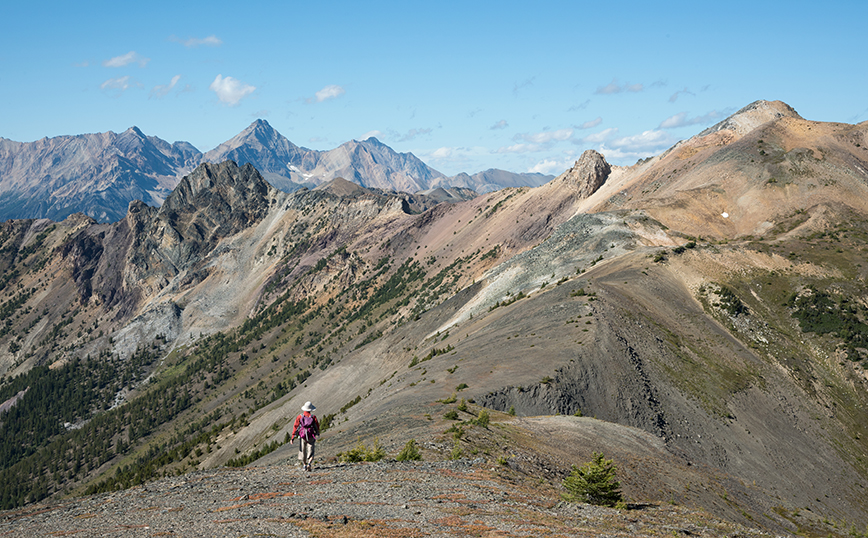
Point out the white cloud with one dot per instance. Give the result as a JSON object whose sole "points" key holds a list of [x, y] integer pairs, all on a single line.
{"points": [[591, 123], [613, 88], [161, 90], [454, 159], [545, 137], [126, 59], [375, 134], [229, 90], [682, 120], [654, 140], [121, 83], [442, 153], [331, 91], [519, 148], [499, 125], [603, 135], [548, 166], [210, 41], [628, 149]]}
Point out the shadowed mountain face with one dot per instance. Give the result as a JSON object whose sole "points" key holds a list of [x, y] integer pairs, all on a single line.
{"points": [[100, 174], [689, 298]]}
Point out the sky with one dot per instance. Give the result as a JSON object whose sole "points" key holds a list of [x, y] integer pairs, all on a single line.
{"points": [[464, 85]]}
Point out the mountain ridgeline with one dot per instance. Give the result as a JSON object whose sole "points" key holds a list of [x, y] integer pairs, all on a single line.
{"points": [[100, 174], [711, 298]]}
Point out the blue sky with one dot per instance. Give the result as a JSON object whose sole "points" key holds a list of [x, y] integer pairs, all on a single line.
{"points": [[466, 86]]}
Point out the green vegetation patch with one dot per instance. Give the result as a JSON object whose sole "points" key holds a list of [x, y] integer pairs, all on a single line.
{"points": [[821, 312]]}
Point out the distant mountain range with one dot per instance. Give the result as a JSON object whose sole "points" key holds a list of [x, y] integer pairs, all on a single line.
{"points": [[100, 174]]}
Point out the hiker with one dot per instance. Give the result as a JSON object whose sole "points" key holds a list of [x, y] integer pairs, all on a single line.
{"points": [[306, 428]]}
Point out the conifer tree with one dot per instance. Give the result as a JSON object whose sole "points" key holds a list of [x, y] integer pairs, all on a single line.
{"points": [[594, 483]]}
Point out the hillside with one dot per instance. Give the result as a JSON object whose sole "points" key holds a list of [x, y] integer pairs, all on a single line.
{"points": [[723, 358]]}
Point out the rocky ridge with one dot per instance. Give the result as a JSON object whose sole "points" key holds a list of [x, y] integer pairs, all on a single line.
{"points": [[456, 498], [525, 300]]}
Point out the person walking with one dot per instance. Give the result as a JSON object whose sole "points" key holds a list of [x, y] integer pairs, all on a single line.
{"points": [[306, 428]]}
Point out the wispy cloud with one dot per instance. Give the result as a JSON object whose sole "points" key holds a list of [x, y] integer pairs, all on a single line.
{"points": [[625, 148], [442, 153], [499, 125], [526, 83], [613, 88], [674, 96], [229, 90], [652, 140], [163, 90], [413, 133], [683, 120], [590, 124], [191, 42], [332, 91], [126, 59], [453, 158], [545, 137], [535, 142], [581, 106], [600, 137], [550, 166], [120, 85], [520, 148]]}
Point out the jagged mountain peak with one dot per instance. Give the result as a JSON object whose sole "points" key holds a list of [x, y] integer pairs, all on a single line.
{"points": [[258, 128], [131, 140], [211, 177], [371, 140], [135, 131], [259, 134]]}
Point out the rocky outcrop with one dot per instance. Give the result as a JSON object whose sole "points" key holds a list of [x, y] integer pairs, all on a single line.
{"points": [[213, 202], [588, 173]]}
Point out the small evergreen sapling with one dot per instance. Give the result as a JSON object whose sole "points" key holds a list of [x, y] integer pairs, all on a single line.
{"points": [[410, 452], [593, 483]]}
